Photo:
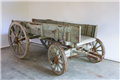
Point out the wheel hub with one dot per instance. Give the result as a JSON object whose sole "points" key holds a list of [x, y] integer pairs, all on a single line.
{"points": [[55, 58], [16, 40], [94, 49]]}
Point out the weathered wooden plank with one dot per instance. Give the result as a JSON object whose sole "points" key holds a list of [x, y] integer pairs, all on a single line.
{"points": [[33, 29], [86, 30]]}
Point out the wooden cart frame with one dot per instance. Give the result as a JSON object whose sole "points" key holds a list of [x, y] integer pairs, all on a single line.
{"points": [[62, 39]]}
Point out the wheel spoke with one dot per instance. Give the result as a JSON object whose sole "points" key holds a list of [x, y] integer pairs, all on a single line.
{"points": [[20, 34], [13, 32], [57, 68], [52, 51], [23, 42], [98, 50], [22, 38], [61, 62], [98, 46], [17, 31], [57, 52], [60, 57], [95, 43], [60, 66], [21, 47], [15, 28], [20, 51], [12, 36], [51, 54], [14, 47], [54, 66], [17, 49], [12, 43]]}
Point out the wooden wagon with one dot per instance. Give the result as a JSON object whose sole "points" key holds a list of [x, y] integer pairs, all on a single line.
{"points": [[62, 39]]}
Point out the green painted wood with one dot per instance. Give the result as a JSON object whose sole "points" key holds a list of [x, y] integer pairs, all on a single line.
{"points": [[59, 30], [91, 31]]}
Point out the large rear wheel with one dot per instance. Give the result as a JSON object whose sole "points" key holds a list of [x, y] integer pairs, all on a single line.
{"points": [[18, 40]]}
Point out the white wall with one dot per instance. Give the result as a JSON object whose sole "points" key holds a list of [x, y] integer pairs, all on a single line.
{"points": [[119, 31], [104, 14], [15, 11]]}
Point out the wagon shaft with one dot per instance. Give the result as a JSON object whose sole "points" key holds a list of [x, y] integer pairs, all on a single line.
{"points": [[90, 54], [95, 54]]}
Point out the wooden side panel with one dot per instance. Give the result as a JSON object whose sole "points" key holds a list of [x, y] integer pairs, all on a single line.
{"points": [[53, 31], [62, 32], [89, 30], [50, 21], [73, 34], [33, 29], [39, 20], [50, 30], [95, 33], [86, 29]]}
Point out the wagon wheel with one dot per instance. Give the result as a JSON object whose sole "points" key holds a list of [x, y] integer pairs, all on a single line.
{"points": [[57, 59], [46, 43], [97, 46], [18, 40]]}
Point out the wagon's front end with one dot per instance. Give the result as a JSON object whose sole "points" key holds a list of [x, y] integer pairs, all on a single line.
{"points": [[85, 43]]}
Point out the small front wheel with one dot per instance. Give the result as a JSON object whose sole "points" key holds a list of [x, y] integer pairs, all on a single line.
{"points": [[98, 47], [57, 59]]}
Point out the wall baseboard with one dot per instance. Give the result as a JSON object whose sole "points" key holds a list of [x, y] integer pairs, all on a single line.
{"points": [[111, 59], [4, 46]]}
